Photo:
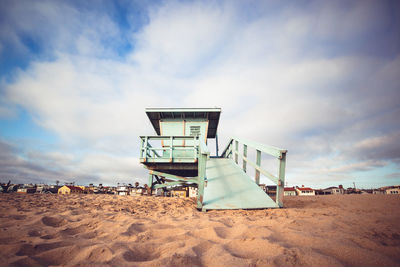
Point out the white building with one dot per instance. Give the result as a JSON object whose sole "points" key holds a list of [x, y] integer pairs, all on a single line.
{"points": [[136, 191], [333, 190], [122, 190], [305, 191], [289, 191], [192, 191], [393, 191]]}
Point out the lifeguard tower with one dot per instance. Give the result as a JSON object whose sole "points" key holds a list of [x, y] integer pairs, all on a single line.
{"points": [[179, 155]]}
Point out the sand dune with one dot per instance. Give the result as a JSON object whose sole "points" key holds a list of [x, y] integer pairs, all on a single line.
{"points": [[97, 230]]}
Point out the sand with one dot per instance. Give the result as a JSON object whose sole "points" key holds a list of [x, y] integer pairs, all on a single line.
{"points": [[97, 230]]}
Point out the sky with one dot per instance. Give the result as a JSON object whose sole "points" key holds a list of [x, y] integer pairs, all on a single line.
{"points": [[318, 78]]}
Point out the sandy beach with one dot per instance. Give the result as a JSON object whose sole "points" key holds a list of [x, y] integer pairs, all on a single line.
{"points": [[97, 230]]}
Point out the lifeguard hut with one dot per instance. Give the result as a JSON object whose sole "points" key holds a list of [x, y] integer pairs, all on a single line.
{"points": [[179, 155]]}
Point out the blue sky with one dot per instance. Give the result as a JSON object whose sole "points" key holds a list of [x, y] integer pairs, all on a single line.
{"points": [[319, 78]]}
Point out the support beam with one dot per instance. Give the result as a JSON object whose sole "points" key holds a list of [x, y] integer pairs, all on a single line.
{"points": [[201, 179], [170, 148], [244, 157], [216, 143], [258, 163], [174, 177], [204, 153], [167, 184], [150, 183], [281, 183], [236, 152]]}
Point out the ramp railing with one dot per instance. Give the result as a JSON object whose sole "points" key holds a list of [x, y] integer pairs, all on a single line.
{"points": [[232, 151]]}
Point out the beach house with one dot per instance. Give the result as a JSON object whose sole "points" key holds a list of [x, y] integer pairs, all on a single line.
{"points": [[122, 190], [333, 190], [70, 189], [305, 191], [179, 191], [289, 191], [26, 190], [393, 191]]}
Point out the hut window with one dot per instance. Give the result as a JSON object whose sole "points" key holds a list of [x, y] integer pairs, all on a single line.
{"points": [[194, 130]]}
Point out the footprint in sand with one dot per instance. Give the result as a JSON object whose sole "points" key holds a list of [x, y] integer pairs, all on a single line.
{"points": [[136, 228], [18, 217], [230, 232], [50, 236], [53, 221], [139, 253], [34, 233], [31, 250], [74, 230], [58, 256], [202, 248], [100, 254], [253, 249]]}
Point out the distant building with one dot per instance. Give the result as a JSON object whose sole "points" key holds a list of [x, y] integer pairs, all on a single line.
{"points": [[393, 191], [192, 191], [179, 191], [159, 192], [305, 191], [122, 190], [88, 190], [70, 189], [53, 189], [136, 191], [366, 191], [350, 190], [333, 190], [270, 190], [40, 188], [289, 191], [26, 190], [378, 191]]}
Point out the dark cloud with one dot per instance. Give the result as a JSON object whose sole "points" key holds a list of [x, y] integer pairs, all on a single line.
{"points": [[14, 167], [21, 167]]}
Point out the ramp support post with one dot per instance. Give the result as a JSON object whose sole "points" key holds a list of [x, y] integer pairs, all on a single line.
{"points": [[216, 144], [281, 180], [150, 184], [258, 163], [204, 153], [236, 149], [244, 157], [201, 178]]}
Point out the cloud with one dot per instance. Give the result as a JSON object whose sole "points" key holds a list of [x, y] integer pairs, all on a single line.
{"points": [[311, 82], [34, 166], [395, 175]]}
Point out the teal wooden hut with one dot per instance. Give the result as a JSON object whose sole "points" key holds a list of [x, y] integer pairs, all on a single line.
{"points": [[178, 155]]}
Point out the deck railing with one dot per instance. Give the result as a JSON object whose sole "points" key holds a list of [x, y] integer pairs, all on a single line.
{"points": [[160, 149], [232, 151]]}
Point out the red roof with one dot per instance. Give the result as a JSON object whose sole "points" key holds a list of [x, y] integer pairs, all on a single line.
{"points": [[289, 189], [305, 188], [74, 187]]}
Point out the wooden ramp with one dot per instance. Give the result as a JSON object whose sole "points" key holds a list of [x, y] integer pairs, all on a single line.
{"points": [[229, 187]]}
